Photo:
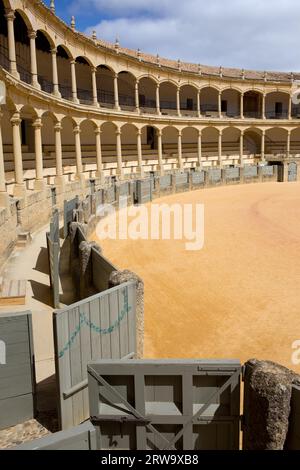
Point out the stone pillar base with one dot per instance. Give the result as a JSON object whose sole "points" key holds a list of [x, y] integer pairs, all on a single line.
{"points": [[120, 174], [100, 175], [76, 100], [60, 182], [140, 173], [81, 178], [20, 190], [40, 185], [57, 94], [161, 170], [36, 85], [4, 200]]}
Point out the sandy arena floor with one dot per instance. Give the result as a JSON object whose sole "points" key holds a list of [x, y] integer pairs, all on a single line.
{"points": [[239, 297]]}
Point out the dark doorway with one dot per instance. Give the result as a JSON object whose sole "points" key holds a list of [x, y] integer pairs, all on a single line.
{"points": [[278, 108], [189, 104], [151, 137]]}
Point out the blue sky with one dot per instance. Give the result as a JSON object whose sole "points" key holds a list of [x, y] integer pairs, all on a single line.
{"points": [[240, 33]]}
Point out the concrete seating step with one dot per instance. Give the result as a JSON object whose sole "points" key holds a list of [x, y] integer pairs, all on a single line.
{"points": [[13, 292]]}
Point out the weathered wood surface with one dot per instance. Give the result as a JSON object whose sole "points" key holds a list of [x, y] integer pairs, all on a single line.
{"points": [[191, 405], [81, 437], [102, 326], [17, 377]]}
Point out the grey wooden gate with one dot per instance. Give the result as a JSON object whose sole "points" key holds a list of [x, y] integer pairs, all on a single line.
{"points": [[53, 246], [81, 437], [102, 326], [181, 182], [162, 405], [143, 191], [292, 172], [17, 376], [69, 207]]}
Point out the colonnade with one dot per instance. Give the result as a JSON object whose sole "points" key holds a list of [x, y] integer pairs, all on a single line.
{"points": [[19, 188], [10, 16]]}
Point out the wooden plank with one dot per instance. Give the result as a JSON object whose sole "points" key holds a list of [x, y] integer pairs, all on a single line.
{"points": [[17, 378], [13, 292], [75, 366], [114, 310], [123, 328]]}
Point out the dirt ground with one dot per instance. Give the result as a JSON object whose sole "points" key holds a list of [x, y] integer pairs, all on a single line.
{"points": [[238, 297]]}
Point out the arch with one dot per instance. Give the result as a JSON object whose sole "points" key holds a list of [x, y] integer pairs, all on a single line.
{"points": [[44, 44], [129, 142], [252, 140], [84, 80], [22, 26], [231, 102], [28, 111], [210, 137], [105, 85], [47, 36], [231, 141], [127, 72], [168, 93], [295, 141], [147, 94], [169, 81], [148, 75], [277, 104], [209, 100], [25, 18], [64, 51], [126, 87], [80, 59], [106, 67], [276, 141], [188, 99], [253, 104]]}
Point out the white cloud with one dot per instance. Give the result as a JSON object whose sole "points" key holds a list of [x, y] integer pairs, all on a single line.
{"points": [[241, 33]]}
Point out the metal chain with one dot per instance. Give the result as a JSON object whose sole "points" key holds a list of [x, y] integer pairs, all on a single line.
{"points": [[83, 320]]}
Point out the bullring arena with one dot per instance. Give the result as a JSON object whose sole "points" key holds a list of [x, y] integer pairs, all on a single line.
{"points": [[84, 122]]}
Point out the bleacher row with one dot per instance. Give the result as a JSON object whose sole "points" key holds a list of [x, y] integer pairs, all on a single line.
{"points": [[129, 155]]}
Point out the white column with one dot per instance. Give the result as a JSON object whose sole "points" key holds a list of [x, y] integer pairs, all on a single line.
{"points": [[199, 103], [290, 108], [74, 81], [200, 148], [120, 171], [242, 106], [263, 145], [220, 147], [263, 111], [39, 181], [94, 87], [157, 100], [160, 166], [79, 168], [59, 179], [33, 62], [99, 172], [10, 16], [288, 144], [56, 91], [4, 197], [220, 104], [178, 101], [140, 153], [180, 165], [19, 189], [116, 92], [137, 98], [241, 148]]}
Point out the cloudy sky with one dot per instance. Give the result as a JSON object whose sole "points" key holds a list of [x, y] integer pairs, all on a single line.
{"points": [[259, 34]]}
